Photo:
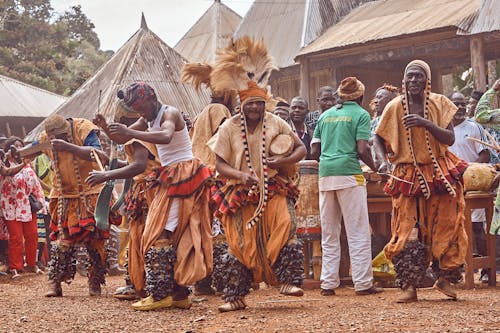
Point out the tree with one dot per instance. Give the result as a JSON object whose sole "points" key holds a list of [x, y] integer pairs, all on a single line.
{"points": [[79, 27], [54, 54]]}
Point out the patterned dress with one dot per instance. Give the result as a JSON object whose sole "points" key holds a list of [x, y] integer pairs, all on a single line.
{"points": [[487, 115]]}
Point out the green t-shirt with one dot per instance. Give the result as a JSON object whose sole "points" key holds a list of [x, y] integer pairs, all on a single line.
{"points": [[339, 131]]}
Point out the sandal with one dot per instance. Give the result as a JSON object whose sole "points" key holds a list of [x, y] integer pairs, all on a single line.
{"points": [[291, 290], [125, 293], [15, 274], [239, 304]]}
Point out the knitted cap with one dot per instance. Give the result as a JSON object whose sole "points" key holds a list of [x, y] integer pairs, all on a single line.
{"points": [[135, 94], [351, 88], [421, 64]]}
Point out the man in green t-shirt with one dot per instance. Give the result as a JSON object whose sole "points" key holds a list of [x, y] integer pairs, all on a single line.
{"points": [[340, 140]]}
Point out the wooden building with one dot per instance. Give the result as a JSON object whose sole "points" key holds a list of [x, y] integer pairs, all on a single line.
{"points": [[24, 106], [212, 31], [484, 32], [144, 57], [375, 42]]}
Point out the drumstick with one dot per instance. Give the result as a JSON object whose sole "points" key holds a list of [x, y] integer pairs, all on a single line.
{"points": [[497, 148], [97, 159], [288, 300], [392, 176]]}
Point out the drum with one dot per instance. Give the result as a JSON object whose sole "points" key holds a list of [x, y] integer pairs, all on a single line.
{"points": [[281, 145], [308, 218], [479, 177], [374, 183], [307, 212]]}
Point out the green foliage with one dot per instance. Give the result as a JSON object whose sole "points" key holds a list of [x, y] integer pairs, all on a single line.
{"points": [[463, 79], [56, 53]]}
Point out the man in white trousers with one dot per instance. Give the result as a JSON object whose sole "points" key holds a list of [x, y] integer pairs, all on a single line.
{"points": [[339, 141]]}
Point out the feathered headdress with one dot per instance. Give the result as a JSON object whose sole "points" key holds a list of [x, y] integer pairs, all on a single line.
{"points": [[243, 60], [196, 74]]}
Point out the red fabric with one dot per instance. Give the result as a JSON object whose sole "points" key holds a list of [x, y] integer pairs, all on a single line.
{"points": [[185, 187], [452, 166], [227, 199], [19, 232]]}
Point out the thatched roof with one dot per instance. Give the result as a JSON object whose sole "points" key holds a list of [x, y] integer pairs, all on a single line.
{"points": [[144, 57], [287, 26], [212, 31], [384, 19]]}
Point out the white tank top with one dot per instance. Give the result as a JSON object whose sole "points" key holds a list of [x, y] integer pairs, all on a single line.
{"points": [[179, 149]]}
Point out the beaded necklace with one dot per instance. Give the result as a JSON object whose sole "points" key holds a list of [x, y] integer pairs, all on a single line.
{"points": [[57, 171], [424, 186], [263, 181]]}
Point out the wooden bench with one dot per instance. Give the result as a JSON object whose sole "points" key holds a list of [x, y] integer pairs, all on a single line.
{"points": [[472, 200], [475, 200]]}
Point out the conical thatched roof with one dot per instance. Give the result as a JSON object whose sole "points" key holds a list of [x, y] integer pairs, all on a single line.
{"points": [[144, 57], [212, 31]]}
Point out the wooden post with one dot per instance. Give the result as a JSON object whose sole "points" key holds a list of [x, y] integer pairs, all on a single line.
{"points": [[7, 127], [437, 81], [478, 63], [447, 80], [492, 72], [316, 259], [304, 78]]}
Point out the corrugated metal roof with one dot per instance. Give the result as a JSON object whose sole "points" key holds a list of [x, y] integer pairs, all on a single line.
{"points": [[486, 20], [143, 57], [322, 14], [392, 18], [212, 31], [19, 99], [286, 26]]}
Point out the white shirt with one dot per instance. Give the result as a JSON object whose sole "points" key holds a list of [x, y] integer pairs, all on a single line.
{"points": [[469, 150], [464, 148]]}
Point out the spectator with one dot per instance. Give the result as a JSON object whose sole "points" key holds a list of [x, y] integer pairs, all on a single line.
{"points": [[326, 98], [299, 108], [18, 214], [471, 151], [383, 95], [3, 138], [472, 103], [4, 234], [42, 167], [282, 110], [489, 116]]}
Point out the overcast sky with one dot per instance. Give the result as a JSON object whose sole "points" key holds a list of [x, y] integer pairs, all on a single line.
{"points": [[117, 20]]}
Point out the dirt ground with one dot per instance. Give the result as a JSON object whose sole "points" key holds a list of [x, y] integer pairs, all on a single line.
{"points": [[24, 309]]}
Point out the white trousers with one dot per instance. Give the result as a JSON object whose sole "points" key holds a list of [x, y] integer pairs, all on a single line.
{"points": [[351, 203]]}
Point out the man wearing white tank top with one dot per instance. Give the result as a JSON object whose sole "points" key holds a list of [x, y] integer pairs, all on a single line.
{"points": [[176, 243]]}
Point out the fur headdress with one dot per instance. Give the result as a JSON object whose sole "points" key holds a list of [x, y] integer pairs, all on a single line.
{"points": [[242, 62], [196, 74]]}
